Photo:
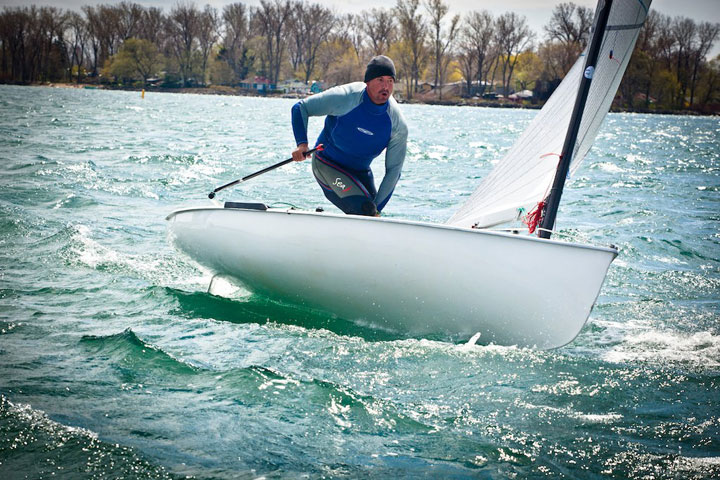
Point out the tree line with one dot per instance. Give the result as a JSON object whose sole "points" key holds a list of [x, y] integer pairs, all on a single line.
{"points": [[191, 46]]}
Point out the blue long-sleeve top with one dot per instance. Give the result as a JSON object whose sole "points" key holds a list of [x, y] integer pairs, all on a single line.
{"points": [[356, 131]]}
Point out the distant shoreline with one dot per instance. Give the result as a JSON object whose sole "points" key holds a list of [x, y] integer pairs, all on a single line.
{"points": [[457, 102]]}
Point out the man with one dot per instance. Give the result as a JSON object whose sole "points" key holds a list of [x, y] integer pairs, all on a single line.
{"points": [[363, 119]]}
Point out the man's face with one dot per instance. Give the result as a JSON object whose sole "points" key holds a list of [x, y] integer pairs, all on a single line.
{"points": [[379, 89]]}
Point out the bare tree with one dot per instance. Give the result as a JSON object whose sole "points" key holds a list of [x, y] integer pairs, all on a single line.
{"points": [[707, 33], [665, 40], [413, 34], [712, 81], [339, 57], [685, 33], [663, 52], [129, 19], [513, 36], [296, 33], [103, 33], [442, 40], [47, 42], [6, 29], [76, 43], [316, 25], [234, 51], [556, 62], [646, 50], [207, 34], [182, 29], [379, 26], [338, 62], [476, 37], [350, 30], [309, 25], [15, 30], [109, 31], [570, 24], [93, 25], [33, 39], [152, 26], [272, 19]]}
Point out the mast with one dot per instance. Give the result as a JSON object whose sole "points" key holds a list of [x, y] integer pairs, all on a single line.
{"points": [[553, 199]]}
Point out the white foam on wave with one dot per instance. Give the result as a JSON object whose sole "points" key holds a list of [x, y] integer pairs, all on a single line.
{"points": [[197, 171], [90, 252], [699, 349], [155, 268], [702, 461], [64, 201], [669, 260], [86, 175], [568, 412], [642, 160], [608, 167], [224, 287], [599, 418]]}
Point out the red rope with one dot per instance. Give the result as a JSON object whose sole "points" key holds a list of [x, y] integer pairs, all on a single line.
{"points": [[532, 219]]}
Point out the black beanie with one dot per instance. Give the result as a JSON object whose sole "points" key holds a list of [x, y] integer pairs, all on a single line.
{"points": [[379, 66]]}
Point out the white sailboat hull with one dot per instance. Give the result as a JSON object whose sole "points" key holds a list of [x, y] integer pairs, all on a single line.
{"points": [[413, 277]]}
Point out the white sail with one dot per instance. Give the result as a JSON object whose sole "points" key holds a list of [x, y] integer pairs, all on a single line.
{"points": [[523, 177]]}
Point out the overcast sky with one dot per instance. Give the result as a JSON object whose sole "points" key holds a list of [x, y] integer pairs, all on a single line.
{"points": [[537, 11]]}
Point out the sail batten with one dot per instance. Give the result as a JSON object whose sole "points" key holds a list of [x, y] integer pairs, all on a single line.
{"points": [[523, 177]]}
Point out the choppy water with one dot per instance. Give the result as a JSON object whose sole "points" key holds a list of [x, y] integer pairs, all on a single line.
{"points": [[115, 362]]}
